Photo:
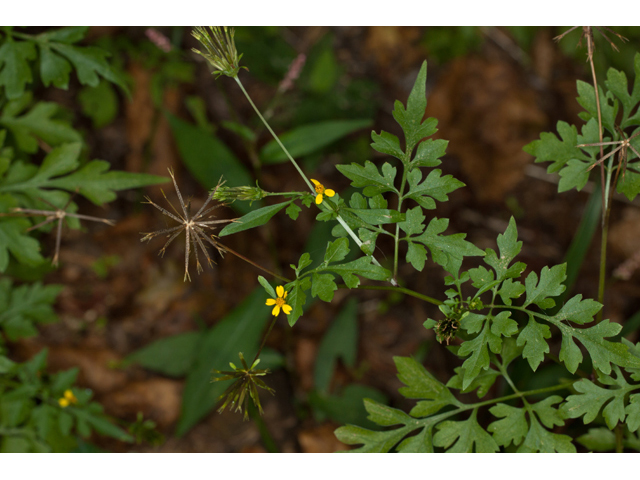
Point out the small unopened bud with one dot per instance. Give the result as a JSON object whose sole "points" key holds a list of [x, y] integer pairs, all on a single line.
{"points": [[231, 194]]}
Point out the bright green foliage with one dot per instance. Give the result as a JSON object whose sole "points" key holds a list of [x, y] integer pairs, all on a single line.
{"points": [[32, 420], [31, 416], [58, 55], [591, 399], [571, 161]]}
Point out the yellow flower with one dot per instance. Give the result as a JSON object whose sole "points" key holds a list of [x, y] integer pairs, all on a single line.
{"points": [[320, 190], [279, 302], [68, 399]]}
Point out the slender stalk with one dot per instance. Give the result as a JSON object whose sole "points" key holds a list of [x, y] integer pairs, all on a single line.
{"points": [[605, 182], [264, 339], [295, 164], [619, 431]]}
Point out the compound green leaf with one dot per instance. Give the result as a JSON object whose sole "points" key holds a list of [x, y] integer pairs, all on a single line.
{"points": [[412, 225], [578, 311], [512, 426], [478, 348], [297, 298], [587, 99], [89, 63], [443, 247], [574, 174], [15, 71], [434, 187], [550, 285], [384, 415], [533, 337], [483, 382], [429, 153], [416, 255], [369, 177], [466, 434], [558, 151], [323, 286], [12, 239], [372, 442], [378, 216], [541, 440], [598, 440], [633, 413], [387, 143], [510, 289], [336, 251]]}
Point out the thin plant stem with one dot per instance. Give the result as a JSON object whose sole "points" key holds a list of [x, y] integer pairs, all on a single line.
{"points": [[304, 177], [264, 339], [605, 184]]}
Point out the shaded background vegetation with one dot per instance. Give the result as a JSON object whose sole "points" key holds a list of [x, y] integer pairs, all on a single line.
{"points": [[493, 90]]}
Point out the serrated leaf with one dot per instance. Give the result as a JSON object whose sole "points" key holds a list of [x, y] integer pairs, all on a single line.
{"points": [[483, 382], [429, 153], [633, 413], [253, 219], [412, 225], [369, 177], [416, 255], [540, 440], [368, 240], [629, 184], [387, 143], [12, 239], [602, 352], [99, 185], [510, 289], [307, 139], [384, 415], [478, 349], [372, 442], [444, 247], [574, 174], [15, 72], [591, 398], [587, 99], [578, 311], [558, 151], [323, 286], [410, 119], [513, 426], [466, 434], [550, 285], [293, 211], [89, 62], [38, 123], [503, 325], [54, 69], [434, 187], [533, 337]]}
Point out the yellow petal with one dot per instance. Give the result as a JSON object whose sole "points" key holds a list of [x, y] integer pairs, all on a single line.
{"points": [[63, 402], [329, 193], [271, 301], [285, 294], [318, 199], [286, 309], [280, 290], [68, 394], [315, 182], [275, 311]]}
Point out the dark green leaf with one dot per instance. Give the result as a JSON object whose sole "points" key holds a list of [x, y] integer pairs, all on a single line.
{"points": [[387, 143], [323, 286], [461, 437], [429, 153], [253, 219], [369, 177], [433, 187], [15, 72]]}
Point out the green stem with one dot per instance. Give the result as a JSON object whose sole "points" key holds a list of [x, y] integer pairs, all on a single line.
{"points": [[295, 164], [619, 431], [268, 441], [264, 339], [514, 396], [304, 177]]}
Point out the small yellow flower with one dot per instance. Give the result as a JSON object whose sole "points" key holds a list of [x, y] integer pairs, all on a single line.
{"points": [[68, 399], [320, 190], [279, 302]]}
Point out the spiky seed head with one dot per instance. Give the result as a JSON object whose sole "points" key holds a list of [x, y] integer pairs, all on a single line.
{"points": [[220, 49]]}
